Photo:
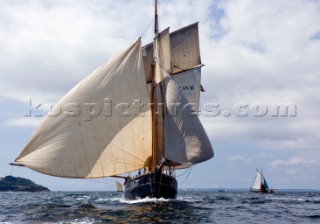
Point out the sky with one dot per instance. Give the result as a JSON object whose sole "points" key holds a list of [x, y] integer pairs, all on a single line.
{"points": [[260, 58]]}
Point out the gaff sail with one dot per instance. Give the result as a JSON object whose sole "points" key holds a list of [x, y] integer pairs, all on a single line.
{"points": [[98, 133]]}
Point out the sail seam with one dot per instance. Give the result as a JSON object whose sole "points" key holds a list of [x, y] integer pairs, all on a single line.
{"points": [[123, 150], [85, 154]]}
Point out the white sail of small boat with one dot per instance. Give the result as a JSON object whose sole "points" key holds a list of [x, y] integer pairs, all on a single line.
{"points": [[260, 184], [136, 111], [119, 187]]}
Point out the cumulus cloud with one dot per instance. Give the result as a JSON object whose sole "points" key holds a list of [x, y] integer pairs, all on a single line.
{"points": [[264, 55], [22, 122], [54, 45], [294, 161], [298, 171], [236, 157]]}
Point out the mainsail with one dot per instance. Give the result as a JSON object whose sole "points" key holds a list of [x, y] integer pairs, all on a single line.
{"points": [[99, 133], [257, 182]]}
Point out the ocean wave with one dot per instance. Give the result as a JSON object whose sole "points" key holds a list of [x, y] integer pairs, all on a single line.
{"points": [[144, 200], [189, 207]]}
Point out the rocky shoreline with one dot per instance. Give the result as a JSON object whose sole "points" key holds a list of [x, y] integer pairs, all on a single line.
{"points": [[10, 183]]}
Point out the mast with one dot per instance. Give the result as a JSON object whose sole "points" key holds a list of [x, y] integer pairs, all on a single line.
{"points": [[153, 95], [262, 184], [154, 124], [168, 142], [156, 23]]}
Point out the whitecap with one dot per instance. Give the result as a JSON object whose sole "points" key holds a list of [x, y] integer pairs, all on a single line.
{"points": [[144, 200]]}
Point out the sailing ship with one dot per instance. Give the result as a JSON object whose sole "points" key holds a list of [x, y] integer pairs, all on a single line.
{"points": [[138, 111], [260, 184], [119, 187], [221, 189]]}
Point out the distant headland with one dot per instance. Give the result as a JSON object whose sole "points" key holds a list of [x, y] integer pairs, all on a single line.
{"points": [[10, 183]]}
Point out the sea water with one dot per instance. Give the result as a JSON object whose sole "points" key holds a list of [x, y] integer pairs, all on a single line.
{"points": [[189, 207]]}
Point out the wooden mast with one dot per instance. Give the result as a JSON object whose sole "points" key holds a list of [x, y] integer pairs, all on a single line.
{"points": [[153, 94], [156, 24]]}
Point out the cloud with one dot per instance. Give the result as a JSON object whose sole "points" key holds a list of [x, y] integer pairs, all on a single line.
{"points": [[236, 157], [53, 46], [292, 162], [23, 122], [239, 158], [296, 171], [266, 56]]}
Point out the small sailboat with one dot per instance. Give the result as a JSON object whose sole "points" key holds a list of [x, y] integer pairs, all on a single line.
{"points": [[138, 111], [119, 187], [221, 189], [260, 184]]}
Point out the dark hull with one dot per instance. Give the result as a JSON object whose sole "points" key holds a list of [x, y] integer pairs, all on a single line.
{"points": [[269, 191], [152, 185]]}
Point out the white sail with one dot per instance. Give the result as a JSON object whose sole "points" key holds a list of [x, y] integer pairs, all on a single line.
{"points": [[163, 50], [163, 63], [185, 50], [189, 83], [147, 55], [159, 132], [186, 62], [186, 141], [163, 57], [99, 132], [119, 187], [257, 182]]}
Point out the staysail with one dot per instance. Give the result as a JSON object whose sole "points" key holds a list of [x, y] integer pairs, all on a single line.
{"points": [[101, 128]]}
